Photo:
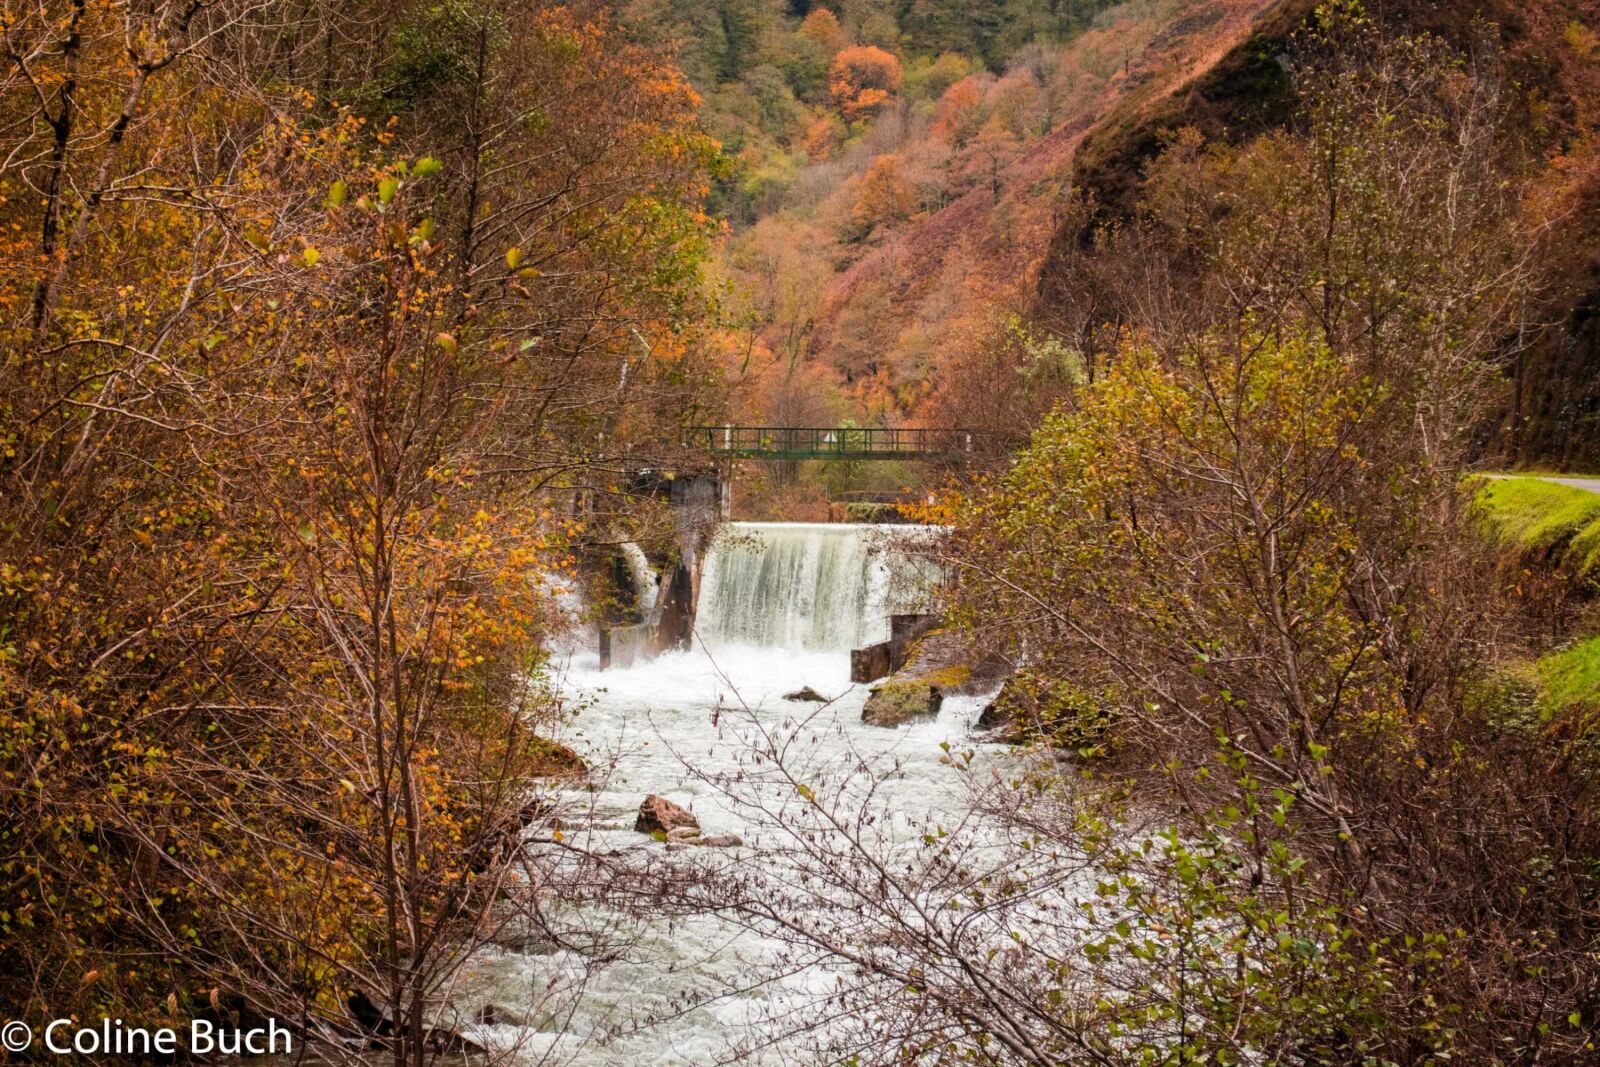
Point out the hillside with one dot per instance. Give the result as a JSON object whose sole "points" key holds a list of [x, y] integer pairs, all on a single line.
{"points": [[954, 272], [940, 256], [1548, 409]]}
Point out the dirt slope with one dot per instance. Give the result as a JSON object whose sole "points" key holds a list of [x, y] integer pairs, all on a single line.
{"points": [[986, 247]]}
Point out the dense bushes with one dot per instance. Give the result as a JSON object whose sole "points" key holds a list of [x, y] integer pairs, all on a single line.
{"points": [[1251, 527], [297, 398]]}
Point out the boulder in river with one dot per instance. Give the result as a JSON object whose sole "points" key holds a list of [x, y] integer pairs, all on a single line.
{"points": [[658, 815], [552, 759], [895, 703], [722, 841], [806, 694], [939, 663]]}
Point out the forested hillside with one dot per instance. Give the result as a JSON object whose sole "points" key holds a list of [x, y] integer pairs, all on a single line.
{"points": [[915, 191], [1144, 161]]}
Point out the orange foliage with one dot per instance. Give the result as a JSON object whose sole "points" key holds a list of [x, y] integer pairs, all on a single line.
{"points": [[955, 113], [822, 28], [823, 135], [278, 440], [862, 79], [885, 197]]}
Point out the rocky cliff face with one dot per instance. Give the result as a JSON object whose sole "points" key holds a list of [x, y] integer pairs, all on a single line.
{"points": [[1550, 410], [1221, 69]]}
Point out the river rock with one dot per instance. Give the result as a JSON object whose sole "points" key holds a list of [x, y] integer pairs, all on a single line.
{"points": [[897, 703], [1031, 709], [555, 760], [658, 815], [495, 1015], [999, 716], [370, 1015], [806, 694], [722, 841]]}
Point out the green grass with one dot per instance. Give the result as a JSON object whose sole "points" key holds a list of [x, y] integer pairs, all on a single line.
{"points": [[1569, 678], [1557, 525], [1534, 518]]}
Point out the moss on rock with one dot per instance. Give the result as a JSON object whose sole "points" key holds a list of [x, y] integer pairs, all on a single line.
{"points": [[1031, 708], [895, 703]]}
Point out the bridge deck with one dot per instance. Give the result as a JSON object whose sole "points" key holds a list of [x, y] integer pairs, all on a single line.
{"points": [[832, 442]]}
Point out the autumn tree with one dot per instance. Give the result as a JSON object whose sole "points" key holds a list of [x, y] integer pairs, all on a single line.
{"points": [[1259, 574], [981, 159], [884, 196], [862, 80], [821, 27], [823, 135], [310, 352], [959, 110]]}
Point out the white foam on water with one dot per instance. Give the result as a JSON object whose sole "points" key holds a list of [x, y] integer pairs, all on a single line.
{"points": [[775, 617], [645, 578]]}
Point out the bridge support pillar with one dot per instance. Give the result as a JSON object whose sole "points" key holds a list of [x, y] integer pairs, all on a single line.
{"points": [[699, 502]]}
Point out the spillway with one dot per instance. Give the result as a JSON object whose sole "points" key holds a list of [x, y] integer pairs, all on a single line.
{"points": [[645, 578], [780, 606], [815, 587]]}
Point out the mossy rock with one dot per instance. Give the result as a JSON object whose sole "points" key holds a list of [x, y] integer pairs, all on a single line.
{"points": [[897, 703], [555, 760], [1033, 709], [945, 678]]}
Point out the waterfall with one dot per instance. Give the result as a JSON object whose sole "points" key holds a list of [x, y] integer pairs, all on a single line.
{"points": [[645, 579], [801, 586]]}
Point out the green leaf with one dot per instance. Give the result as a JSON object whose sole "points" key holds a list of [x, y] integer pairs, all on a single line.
{"points": [[386, 189], [513, 257], [336, 193], [425, 166]]}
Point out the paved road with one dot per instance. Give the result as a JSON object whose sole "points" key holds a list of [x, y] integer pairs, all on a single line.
{"points": [[1591, 484]]}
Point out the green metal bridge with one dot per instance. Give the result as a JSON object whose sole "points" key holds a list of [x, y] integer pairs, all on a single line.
{"points": [[833, 442]]}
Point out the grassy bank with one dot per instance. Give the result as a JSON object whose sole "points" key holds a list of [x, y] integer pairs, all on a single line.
{"points": [[1540, 521], [1570, 678], [1554, 526]]}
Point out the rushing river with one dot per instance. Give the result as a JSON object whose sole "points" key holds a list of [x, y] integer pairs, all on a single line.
{"points": [[781, 606]]}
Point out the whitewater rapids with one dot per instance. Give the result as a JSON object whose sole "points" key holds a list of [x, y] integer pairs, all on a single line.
{"points": [[781, 605]]}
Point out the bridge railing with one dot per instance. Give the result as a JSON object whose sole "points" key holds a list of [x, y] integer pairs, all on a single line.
{"points": [[834, 442]]}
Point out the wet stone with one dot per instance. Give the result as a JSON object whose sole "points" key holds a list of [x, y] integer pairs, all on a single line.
{"points": [[658, 815]]}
